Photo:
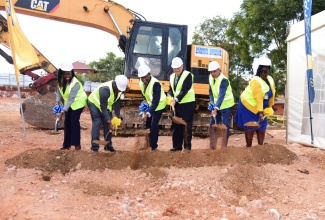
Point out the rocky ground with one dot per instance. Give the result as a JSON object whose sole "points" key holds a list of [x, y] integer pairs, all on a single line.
{"points": [[38, 181]]}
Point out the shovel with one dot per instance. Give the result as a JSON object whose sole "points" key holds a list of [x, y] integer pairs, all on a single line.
{"points": [[103, 142], [176, 119], [144, 131], [254, 124], [214, 133], [56, 127]]}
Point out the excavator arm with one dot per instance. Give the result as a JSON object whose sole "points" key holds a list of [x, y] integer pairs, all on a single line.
{"points": [[92, 13], [105, 15]]}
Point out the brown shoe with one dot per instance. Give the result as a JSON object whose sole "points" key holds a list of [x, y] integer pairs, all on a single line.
{"points": [[77, 147]]}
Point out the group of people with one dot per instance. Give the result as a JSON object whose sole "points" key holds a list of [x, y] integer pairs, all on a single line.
{"points": [[257, 96], [100, 104]]}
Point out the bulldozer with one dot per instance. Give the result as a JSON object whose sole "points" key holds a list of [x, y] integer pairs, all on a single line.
{"points": [[142, 41]]}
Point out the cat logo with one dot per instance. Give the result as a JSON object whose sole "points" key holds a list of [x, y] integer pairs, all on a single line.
{"points": [[39, 5]]}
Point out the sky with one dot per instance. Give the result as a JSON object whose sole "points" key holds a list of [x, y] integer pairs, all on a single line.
{"points": [[60, 41]]}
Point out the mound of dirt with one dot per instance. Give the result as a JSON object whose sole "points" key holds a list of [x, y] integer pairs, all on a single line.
{"points": [[66, 161]]}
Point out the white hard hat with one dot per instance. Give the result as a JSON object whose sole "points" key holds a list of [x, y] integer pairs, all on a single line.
{"points": [[66, 66], [121, 82], [213, 65], [177, 62], [263, 61], [143, 70]]}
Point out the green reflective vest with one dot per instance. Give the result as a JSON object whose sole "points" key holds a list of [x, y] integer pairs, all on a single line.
{"points": [[228, 100], [95, 99], [148, 94], [253, 95], [81, 98], [190, 96]]}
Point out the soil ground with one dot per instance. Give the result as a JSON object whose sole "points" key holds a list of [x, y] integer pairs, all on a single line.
{"points": [[39, 181]]}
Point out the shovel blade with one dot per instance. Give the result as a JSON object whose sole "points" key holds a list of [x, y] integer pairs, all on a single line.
{"points": [[101, 142]]}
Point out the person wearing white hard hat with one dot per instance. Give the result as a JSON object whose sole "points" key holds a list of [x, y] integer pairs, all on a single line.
{"points": [[183, 99], [101, 103], [153, 94], [256, 103], [72, 95], [221, 98]]}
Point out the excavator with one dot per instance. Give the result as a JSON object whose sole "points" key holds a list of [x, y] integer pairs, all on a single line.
{"points": [[142, 41]]}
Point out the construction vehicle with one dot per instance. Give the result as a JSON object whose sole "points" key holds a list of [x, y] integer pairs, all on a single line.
{"points": [[153, 43]]}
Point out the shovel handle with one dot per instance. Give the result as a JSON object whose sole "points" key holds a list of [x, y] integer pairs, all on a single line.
{"points": [[173, 108]]}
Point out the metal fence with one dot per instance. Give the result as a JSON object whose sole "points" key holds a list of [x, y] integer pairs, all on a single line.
{"points": [[9, 79]]}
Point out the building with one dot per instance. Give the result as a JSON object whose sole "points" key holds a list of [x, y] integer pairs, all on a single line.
{"points": [[82, 68]]}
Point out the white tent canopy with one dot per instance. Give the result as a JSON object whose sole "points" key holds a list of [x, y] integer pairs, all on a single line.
{"points": [[297, 107]]}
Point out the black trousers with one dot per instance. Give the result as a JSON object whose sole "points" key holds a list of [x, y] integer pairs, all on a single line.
{"points": [[180, 136], [153, 124], [72, 127]]}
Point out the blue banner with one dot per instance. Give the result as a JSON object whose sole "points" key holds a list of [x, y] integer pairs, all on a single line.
{"points": [[310, 80]]}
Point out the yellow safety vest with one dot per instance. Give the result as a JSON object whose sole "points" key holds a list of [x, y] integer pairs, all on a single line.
{"points": [[253, 95], [228, 100], [81, 98], [190, 96], [95, 99], [148, 94]]}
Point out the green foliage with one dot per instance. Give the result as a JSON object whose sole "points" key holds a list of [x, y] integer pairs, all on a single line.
{"points": [[259, 28], [81, 78], [106, 68]]}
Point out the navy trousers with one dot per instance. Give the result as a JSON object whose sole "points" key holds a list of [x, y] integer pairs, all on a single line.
{"points": [[153, 124], [180, 136], [72, 127], [97, 121]]}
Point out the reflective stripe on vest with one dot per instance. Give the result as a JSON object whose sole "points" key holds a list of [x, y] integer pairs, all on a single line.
{"points": [[228, 100], [248, 92], [81, 97], [149, 93], [190, 95], [94, 96]]}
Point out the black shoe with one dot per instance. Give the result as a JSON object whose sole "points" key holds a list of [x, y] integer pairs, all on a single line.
{"points": [[65, 148], [175, 149], [153, 149], [92, 150], [111, 149], [187, 150]]}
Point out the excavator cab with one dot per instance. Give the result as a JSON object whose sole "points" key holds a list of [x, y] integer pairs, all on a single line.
{"points": [[154, 44]]}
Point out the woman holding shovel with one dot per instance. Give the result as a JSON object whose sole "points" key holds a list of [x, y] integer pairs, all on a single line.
{"points": [[155, 96], [74, 98], [256, 103], [181, 89], [222, 100]]}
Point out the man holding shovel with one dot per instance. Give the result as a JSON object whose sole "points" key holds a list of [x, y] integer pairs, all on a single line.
{"points": [[181, 89], [153, 93], [100, 104], [222, 100]]}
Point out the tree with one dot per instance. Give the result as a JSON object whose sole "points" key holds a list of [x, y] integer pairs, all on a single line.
{"points": [[260, 28], [106, 68], [212, 32]]}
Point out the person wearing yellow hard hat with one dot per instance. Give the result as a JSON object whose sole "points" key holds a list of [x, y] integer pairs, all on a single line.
{"points": [[221, 98], [153, 94], [101, 103], [256, 102], [181, 89], [74, 98]]}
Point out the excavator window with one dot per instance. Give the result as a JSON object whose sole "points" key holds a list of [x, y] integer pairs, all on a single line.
{"points": [[148, 41], [174, 43]]}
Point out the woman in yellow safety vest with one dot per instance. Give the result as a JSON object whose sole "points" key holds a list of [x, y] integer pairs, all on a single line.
{"points": [[256, 102], [73, 96]]}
